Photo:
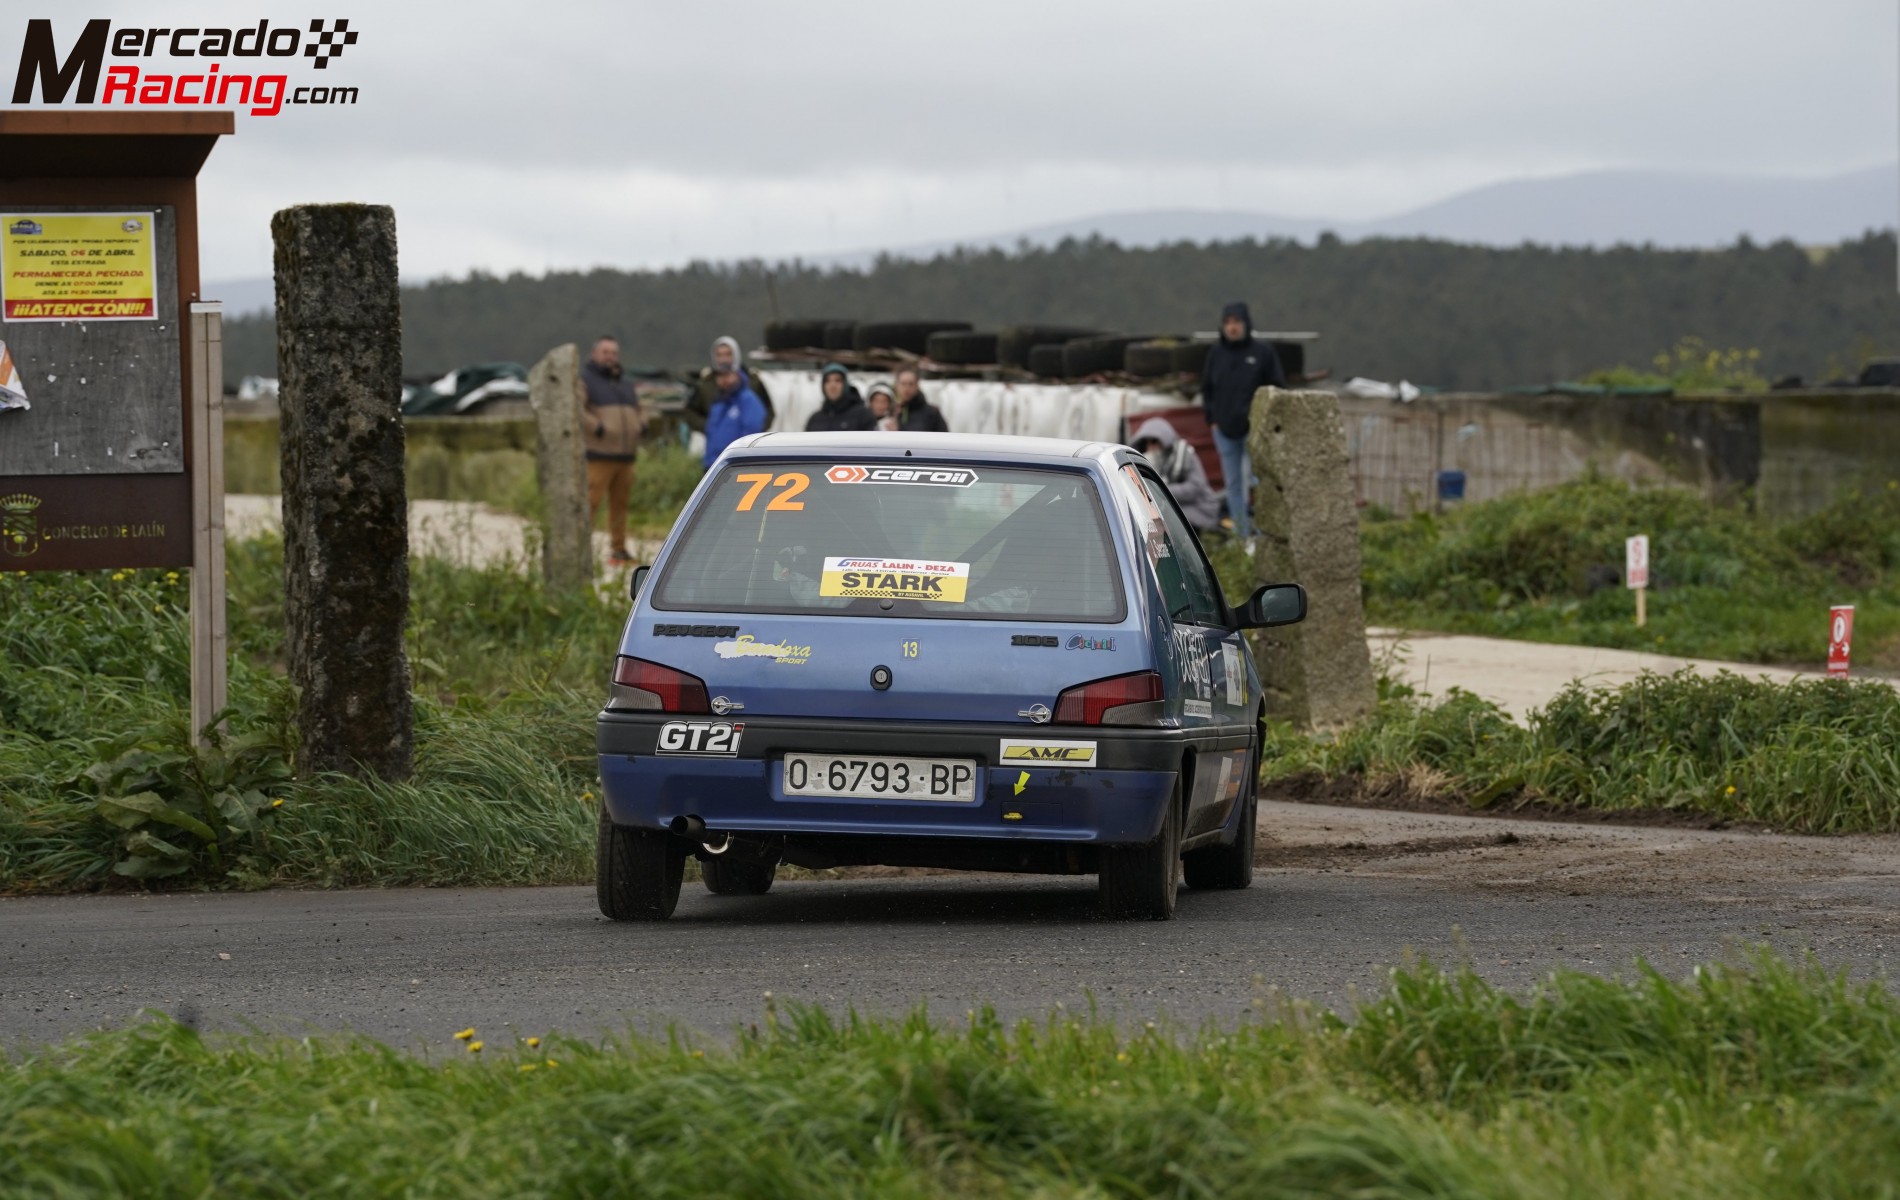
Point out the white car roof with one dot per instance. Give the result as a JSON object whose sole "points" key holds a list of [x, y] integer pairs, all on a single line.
{"points": [[894, 445]]}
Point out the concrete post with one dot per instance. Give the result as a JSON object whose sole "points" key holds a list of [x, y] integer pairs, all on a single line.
{"points": [[1317, 674], [554, 389], [210, 642], [346, 525]]}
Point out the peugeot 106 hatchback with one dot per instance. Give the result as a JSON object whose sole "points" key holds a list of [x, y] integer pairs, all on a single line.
{"points": [[992, 653]]}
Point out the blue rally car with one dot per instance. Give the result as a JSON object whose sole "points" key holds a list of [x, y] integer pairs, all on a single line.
{"points": [[993, 653]]}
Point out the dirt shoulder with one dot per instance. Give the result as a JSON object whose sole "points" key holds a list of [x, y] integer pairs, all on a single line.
{"points": [[1855, 877]]}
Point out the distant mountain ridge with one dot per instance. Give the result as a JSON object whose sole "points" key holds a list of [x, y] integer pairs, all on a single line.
{"points": [[1669, 209]]}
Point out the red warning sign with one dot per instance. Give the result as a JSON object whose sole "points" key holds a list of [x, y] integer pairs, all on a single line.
{"points": [[1840, 636]]}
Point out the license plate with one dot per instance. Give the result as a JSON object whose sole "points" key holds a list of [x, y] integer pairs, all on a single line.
{"points": [[859, 777]]}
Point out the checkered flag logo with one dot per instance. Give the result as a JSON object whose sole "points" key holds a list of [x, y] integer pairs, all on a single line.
{"points": [[328, 43]]}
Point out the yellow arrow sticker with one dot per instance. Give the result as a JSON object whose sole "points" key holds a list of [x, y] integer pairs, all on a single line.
{"points": [[1022, 781]]}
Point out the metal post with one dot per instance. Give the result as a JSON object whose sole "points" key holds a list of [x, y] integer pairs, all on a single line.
{"points": [[208, 636]]}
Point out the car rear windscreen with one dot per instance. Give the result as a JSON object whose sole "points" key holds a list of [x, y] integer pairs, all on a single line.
{"points": [[918, 539]]}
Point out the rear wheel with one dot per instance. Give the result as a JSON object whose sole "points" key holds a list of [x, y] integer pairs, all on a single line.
{"points": [[1138, 883], [1230, 866], [724, 878], [637, 872]]}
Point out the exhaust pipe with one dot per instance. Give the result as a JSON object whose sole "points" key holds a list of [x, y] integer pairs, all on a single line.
{"points": [[694, 829]]}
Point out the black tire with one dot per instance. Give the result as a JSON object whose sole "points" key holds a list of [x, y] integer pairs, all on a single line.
{"points": [[1149, 359], [910, 336], [805, 334], [954, 347], [1138, 883], [839, 334], [725, 878], [1191, 357], [1091, 356], [1230, 867], [1014, 344], [1046, 361], [637, 872]]}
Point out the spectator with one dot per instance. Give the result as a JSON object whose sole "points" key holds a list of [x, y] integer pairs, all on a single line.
{"points": [[843, 410], [1236, 368], [915, 414], [725, 354], [610, 435], [736, 412], [1180, 468], [882, 405]]}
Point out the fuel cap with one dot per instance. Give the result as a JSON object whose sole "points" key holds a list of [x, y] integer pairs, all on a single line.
{"points": [[880, 677]]}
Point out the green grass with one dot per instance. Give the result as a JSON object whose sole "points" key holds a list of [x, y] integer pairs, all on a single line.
{"points": [[1816, 756], [1759, 1079], [93, 671], [1725, 584]]}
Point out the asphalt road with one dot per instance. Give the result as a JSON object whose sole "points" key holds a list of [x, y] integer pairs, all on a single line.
{"points": [[1346, 895]]}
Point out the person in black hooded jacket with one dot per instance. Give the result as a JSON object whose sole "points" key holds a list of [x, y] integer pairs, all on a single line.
{"points": [[1236, 368], [843, 411]]}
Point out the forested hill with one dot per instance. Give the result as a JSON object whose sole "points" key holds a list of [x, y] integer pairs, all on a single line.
{"points": [[1433, 312]]}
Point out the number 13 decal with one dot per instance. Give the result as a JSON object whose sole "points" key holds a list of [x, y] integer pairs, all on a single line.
{"points": [[792, 483]]}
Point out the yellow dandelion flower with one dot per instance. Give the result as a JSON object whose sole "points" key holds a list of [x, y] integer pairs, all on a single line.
{"points": [[474, 1047], [118, 577], [277, 803], [527, 1066], [171, 577], [1122, 1057], [1729, 790], [158, 608], [532, 1042], [552, 1063], [699, 1054], [465, 1034]]}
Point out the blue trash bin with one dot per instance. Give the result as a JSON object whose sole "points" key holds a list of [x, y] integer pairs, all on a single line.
{"points": [[1451, 485]]}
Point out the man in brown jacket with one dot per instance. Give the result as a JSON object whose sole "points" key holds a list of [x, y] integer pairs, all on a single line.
{"points": [[610, 432]]}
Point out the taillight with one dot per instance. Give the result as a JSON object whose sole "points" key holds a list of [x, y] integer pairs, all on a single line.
{"points": [[1096, 703], [639, 684]]}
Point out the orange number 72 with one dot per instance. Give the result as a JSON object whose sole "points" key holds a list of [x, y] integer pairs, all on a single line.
{"points": [[793, 482]]}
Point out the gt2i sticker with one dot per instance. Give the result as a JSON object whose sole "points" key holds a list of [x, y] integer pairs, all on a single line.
{"points": [[924, 476], [895, 579], [717, 739], [1079, 754]]}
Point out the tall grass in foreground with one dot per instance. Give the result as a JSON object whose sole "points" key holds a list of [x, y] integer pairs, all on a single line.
{"points": [[1767, 1079], [93, 702], [1811, 756]]}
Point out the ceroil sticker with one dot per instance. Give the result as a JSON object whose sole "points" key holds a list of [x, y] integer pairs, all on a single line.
{"points": [[895, 579], [923, 476], [748, 646], [1079, 754]]}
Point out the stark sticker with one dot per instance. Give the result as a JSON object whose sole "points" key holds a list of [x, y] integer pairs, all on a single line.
{"points": [[895, 579]]}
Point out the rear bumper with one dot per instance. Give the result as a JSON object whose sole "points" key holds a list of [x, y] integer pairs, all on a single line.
{"points": [[1118, 800]]}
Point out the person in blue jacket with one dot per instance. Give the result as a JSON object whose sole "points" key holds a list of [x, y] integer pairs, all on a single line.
{"points": [[736, 411], [1237, 367]]}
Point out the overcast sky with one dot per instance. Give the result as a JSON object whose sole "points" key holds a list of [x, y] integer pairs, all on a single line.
{"points": [[567, 133]]}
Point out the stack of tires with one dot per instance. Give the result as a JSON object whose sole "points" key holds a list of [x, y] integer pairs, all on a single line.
{"points": [[912, 337], [807, 333], [961, 348]]}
